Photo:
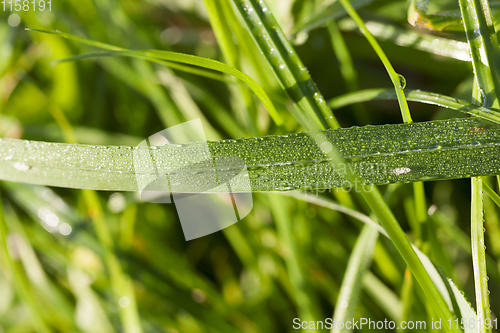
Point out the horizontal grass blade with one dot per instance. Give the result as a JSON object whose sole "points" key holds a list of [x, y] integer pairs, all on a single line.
{"points": [[416, 96], [444, 149]]}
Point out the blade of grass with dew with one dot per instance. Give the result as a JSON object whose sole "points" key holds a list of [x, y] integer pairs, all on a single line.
{"points": [[121, 285], [485, 54], [416, 96], [183, 59], [287, 66], [376, 201], [359, 262], [441, 46]]}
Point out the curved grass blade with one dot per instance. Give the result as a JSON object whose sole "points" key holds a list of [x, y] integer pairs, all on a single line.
{"points": [[182, 59], [416, 96], [448, 149], [395, 77]]}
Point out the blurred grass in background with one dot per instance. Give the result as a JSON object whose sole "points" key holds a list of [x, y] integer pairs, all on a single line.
{"points": [[81, 262]]}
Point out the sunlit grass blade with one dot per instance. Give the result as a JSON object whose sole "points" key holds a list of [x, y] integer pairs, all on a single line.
{"points": [[359, 261], [183, 59], [479, 255], [416, 96], [285, 63]]}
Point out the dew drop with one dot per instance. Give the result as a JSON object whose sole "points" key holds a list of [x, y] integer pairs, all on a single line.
{"points": [[402, 81]]}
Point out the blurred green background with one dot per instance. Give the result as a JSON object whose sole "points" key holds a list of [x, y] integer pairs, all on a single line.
{"points": [[63, 275]]}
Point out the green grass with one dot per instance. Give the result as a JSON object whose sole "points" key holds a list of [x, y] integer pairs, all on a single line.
{"points": [[76, 257]]}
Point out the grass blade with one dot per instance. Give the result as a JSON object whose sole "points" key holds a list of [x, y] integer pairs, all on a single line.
{"points": [[444, 149], [416, 96], [395, 77], [19, 279], [483, 45], [485, 54], [479, 254], [286, 65], [182, 59]]}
